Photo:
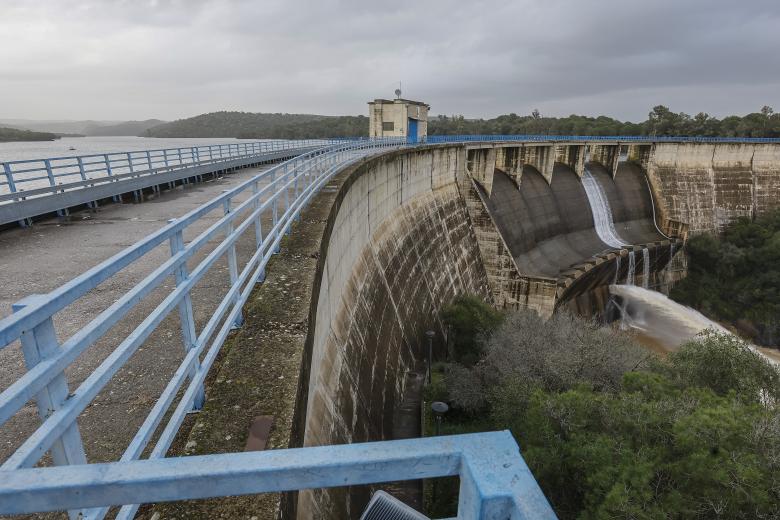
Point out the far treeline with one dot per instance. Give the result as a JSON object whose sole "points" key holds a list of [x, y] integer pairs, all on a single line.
{"points": [[12, 134], [660, 121]]}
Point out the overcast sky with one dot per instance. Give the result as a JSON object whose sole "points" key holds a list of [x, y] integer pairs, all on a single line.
{"points": [[139, 59]]}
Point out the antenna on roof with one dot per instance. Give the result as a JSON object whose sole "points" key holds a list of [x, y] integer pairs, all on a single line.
{"points": [[398, 91]]}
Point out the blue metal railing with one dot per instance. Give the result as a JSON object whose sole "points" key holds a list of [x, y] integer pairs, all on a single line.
{"points": [[33, 177], [493, 474], [280, 193], [495, 483], [580, 138]]}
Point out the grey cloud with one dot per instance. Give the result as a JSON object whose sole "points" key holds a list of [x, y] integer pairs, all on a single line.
{"points": [[118, 59]]}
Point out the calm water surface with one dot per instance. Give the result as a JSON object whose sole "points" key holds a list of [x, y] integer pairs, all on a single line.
{"points": [[95, 145]]}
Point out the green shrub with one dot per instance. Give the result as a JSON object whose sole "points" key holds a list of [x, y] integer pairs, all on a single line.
{"points": [[469, 318], [609, 433]]}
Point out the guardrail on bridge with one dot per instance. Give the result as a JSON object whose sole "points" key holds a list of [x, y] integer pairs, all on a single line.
{"points": [[33, 187]]}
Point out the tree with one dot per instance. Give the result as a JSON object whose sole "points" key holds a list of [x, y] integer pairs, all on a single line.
{"points": [[735, 278], [609, 433], [469, 318]]}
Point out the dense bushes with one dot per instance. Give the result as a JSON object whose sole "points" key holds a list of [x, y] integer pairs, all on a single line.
{"points": [[248, 125], [611, 431], [736, 278], [468, 318], [660, 121]]}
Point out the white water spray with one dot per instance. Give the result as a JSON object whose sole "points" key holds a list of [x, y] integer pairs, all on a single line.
{"points": [[661, 319], [645, 268], [617, 269], [602, 213], [630, 276]]}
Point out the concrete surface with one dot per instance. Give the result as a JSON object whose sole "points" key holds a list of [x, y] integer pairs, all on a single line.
{"points": [[708, 185], [43, 257], [549, 227]]}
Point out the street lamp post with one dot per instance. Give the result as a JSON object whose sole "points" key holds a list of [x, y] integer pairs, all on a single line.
{"points": [[439, 409], [430, 335]]}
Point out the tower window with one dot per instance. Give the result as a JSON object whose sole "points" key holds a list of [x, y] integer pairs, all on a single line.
{"points": [[388, 126]]}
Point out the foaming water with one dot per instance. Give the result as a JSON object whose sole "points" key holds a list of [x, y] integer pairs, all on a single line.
{"points": [[666, 323], [631, 269], [602, 213]]}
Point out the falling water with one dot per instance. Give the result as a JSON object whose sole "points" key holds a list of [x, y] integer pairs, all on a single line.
{"points": [[631, 268], [662, 320], [617, 269], [602, 214], [645, 267]]}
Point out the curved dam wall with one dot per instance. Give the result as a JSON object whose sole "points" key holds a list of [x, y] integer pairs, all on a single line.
{"points": [[411, 229], [398, 246]]}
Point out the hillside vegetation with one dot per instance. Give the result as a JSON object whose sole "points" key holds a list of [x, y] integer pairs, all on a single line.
{"points": [[130, 128], [12, 134], [246, 125], [611, 431], [736, 277], [660, 121]]}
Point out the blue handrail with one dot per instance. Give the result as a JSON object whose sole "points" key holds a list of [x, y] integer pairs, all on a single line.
{"points": [[588, 138], [60, 172], [280, 192]]}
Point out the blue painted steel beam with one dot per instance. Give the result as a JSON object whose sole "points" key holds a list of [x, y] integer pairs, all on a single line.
{"points": [[496, 482]]}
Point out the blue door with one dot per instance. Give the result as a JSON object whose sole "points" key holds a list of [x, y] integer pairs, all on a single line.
{"points": [[412, 134]]}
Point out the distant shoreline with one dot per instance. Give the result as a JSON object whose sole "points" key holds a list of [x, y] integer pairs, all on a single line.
{"points": [[13, 135]]}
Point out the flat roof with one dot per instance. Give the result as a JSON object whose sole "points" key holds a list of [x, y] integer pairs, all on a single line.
{"points": [[380, 101]]}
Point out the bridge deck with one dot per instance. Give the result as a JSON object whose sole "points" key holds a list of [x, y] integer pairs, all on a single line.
{"points": [[41, 258]]}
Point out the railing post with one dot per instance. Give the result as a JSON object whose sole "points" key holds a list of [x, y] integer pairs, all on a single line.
{"points": [[232, 262], [165, 157], [286, 196], [108, 165], [130, 163], [275, 212], [81, 168], [9, 176], [180, 159], [295, 184], [149, 159], [258, 227], [53, 183], [186, 315], [39, 344], [49, 172]]}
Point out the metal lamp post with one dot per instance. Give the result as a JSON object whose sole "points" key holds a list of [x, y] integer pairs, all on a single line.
{"points": [[439, 409], [430, 335]]}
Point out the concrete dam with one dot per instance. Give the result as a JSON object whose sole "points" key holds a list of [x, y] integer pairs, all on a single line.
{"points": [[512, 222], [333, 268]]}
